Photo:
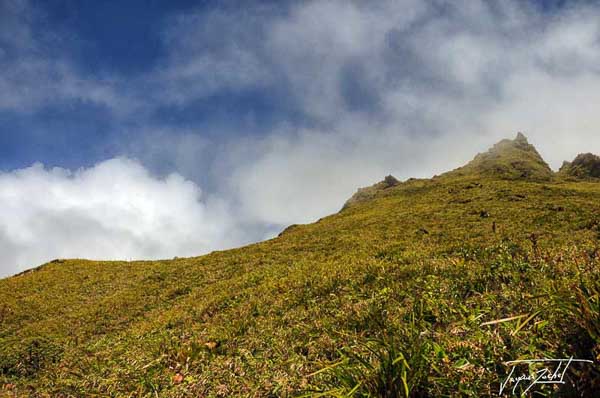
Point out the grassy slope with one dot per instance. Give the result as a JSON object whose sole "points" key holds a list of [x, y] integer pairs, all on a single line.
{"points": [[414, 271]]}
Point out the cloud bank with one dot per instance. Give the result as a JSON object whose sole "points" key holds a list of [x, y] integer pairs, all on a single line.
{"points": [[115, 210]]}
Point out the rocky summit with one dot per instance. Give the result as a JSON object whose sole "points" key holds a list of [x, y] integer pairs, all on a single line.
{"points": [[509, 159], [514, 159]]}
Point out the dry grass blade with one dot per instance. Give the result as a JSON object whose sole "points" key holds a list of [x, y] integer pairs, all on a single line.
{"points": [[512, 318]]}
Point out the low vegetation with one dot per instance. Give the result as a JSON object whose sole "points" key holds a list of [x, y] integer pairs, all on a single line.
{"points": [[424, 288]]}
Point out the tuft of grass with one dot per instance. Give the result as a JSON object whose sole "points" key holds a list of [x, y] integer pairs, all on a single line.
{"points": [[393, 365], [580, 307]]}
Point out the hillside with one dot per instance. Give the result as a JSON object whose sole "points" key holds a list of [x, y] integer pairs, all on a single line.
{"points": [[415, 288]]}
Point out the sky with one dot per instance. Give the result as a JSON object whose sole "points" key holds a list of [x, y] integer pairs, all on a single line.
{"points": [[153, 129]]}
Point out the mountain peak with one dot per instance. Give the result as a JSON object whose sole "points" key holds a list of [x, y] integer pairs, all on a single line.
{"points": [[520, 139], [519, 142], [509, 159]]}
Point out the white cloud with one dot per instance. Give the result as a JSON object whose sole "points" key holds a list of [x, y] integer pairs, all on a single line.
{"points": [[114, 210], [210, 52]]}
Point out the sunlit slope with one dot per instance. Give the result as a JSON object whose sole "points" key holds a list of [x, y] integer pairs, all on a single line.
{"points": [[411, 268]]}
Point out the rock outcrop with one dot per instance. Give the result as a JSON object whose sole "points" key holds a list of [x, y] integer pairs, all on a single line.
{"points": [[584, 166], [367, 193]]}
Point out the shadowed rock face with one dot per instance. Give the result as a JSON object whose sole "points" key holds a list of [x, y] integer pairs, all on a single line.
{"points": [[509, 159], [585, 165]]}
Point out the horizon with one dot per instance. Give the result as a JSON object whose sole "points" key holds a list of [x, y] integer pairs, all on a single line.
{"points": [[34, 267], [151, 130]]}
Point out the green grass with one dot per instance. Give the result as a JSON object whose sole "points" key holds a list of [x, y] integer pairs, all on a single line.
{"points": [[399, 294]]}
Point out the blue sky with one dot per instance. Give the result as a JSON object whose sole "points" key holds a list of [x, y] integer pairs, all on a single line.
{"points": [[120, 41], [259, 116], [124, 40]]}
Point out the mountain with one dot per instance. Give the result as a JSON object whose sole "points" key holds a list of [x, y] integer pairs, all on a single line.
{"points": [[420, 288]]}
